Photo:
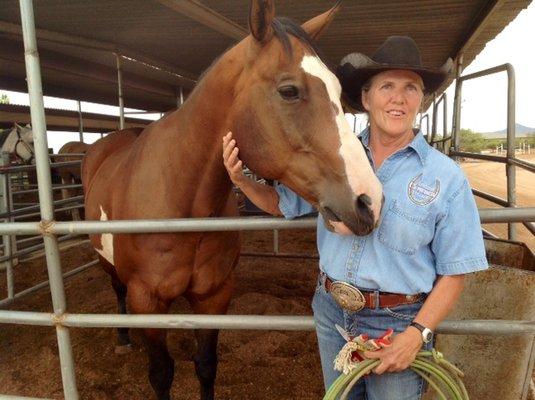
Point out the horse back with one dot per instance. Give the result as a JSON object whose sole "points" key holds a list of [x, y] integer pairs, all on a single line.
{"points": [[73, 148], [103, 149]]}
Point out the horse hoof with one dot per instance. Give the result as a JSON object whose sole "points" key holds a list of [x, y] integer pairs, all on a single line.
{"points": [[123, 349]]}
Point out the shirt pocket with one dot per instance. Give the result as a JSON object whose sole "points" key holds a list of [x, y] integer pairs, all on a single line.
{"points": [[405, 227]]}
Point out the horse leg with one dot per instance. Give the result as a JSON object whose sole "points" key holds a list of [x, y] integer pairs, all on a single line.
{"points": [[142, 300], [64, 192], [206, 361], [123, 339], [67, 193], [161, 365], [206, 357], [75, 213]]}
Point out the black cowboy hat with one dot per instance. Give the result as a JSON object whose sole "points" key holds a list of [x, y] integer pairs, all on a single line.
{"points": [[397, 52]]}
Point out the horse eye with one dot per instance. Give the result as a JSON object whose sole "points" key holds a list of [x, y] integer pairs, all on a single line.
{"points": [[289, 92]]}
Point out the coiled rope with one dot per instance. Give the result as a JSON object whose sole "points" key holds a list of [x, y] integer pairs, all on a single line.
{"points": [[442, 376]]}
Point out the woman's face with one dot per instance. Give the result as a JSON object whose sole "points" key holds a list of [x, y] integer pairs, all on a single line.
{"points": [[393, 101]]}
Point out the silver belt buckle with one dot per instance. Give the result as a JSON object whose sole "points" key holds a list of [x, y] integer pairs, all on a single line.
{"points": [[347, 296]]}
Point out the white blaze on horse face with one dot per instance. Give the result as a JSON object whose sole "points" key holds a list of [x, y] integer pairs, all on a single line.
{"points": [[106, 241], [358, 170]]}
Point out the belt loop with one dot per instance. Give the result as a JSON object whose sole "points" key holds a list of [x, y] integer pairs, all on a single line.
{"points": [[377, 299]]}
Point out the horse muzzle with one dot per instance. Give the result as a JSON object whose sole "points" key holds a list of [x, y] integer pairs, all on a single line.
{"points": [[359, 218]]}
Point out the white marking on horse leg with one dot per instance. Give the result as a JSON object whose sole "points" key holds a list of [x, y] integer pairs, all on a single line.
{"points": [[106, 241], [359, 172]]}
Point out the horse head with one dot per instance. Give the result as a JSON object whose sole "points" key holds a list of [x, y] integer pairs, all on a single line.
{"points": [[24, 143], [289, 123]]}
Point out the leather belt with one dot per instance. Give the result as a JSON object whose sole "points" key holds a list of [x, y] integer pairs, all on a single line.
{"points": [[368, 299]]}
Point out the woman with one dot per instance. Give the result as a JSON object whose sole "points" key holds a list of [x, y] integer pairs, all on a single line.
{"points": [[410, 271]]}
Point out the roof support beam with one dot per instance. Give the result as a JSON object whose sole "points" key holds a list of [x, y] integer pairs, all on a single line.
{"points": [[208, 17], [479, 25], [56, 37], [62, 120], [101, 97]]}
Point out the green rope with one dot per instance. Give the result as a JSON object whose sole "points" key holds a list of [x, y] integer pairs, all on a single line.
{"points": [[442, 376]]}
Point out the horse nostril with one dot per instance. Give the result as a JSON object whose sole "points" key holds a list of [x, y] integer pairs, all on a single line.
{"points": [[363, 202]]}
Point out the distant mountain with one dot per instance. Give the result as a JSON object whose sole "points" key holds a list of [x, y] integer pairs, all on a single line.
{"points": [[521, 130]]}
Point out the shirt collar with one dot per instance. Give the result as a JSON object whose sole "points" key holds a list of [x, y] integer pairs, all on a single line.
{"points": [[418, 144]]}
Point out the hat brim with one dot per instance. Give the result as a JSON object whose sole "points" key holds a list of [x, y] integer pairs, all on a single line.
{"points": [[356, 69]]}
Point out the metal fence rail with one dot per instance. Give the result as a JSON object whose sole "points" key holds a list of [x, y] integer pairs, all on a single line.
{"points": [[487, 215], [237, 322]]}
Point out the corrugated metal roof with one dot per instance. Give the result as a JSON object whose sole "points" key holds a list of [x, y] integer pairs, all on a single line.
{"points": [[186, 43]]}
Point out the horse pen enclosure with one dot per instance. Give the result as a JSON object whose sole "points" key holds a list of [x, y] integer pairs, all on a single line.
{"points": [[267, 349]]}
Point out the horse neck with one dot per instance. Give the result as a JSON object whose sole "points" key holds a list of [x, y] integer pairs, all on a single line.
{"points": [[10, 142], [195, 142]]}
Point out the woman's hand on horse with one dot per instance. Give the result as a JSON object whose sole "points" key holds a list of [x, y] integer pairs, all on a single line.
{"points": [[231, 161], [340, 228]]}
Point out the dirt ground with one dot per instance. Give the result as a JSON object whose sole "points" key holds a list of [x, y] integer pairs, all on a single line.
{"points": [[253, 364], [490, 177]]}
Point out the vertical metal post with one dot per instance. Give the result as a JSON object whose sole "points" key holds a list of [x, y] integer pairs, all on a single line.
{"points": [[80, 122], [120, 90], [444, 120], [434, 122], [510, 169], [6, 239], [10, 208], [33, 75], [457, 106]]}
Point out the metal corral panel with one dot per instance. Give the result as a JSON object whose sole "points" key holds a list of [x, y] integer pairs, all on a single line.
{"points": [[65, 120], [178, 37], [496, 367]]}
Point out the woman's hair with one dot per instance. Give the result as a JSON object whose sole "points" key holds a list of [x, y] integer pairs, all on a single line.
{"points": [[367, 85]]}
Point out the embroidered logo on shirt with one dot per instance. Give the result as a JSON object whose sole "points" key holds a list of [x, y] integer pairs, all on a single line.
{"points": [[421, 194]]}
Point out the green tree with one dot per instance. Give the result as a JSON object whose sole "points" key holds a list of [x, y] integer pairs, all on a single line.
{"points": [[471, 141], [4, 99]]}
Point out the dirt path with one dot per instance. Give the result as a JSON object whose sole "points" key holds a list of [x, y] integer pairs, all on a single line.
{"points": [[490, 177]]}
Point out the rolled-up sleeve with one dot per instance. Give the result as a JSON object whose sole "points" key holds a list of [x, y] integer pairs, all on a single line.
{"points": [[458, 242], [292, 205]]}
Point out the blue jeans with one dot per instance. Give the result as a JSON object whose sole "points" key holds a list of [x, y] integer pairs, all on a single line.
{"points": [[404, 385]]}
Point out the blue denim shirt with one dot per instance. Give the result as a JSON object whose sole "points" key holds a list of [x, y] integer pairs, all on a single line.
{"points": [[429, 226]]}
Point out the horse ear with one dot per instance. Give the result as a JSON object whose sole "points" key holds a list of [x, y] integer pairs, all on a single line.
{"points": [[315, 26], [260, 18]]}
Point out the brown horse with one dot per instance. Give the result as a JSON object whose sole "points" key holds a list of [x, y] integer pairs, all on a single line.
{"points": [[282, 104], [72, 175]]}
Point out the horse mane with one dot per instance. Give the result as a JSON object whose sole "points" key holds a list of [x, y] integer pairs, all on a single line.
{"points": [[4, 134], [284, 27]]}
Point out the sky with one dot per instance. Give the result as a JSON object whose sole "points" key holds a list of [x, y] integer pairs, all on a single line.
{"points": [[484, 107]]}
